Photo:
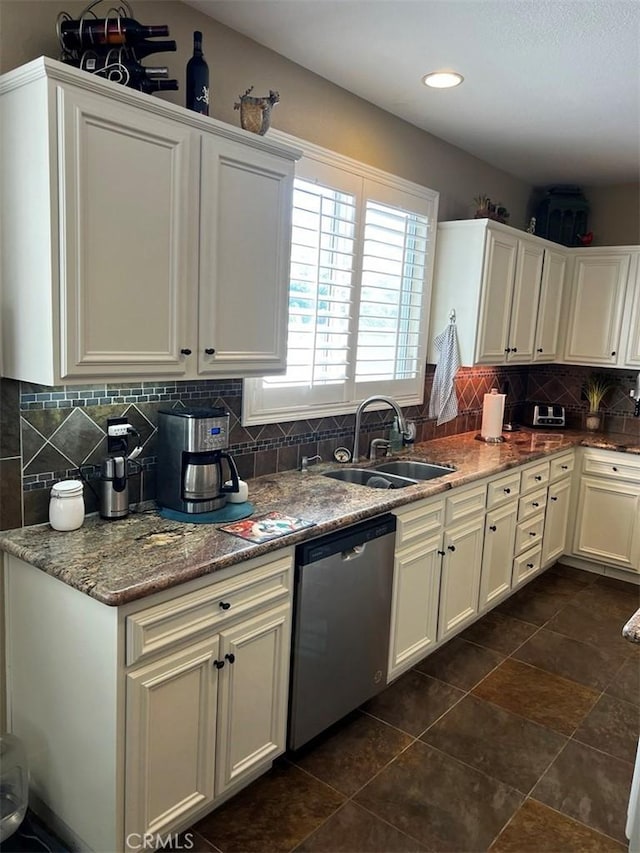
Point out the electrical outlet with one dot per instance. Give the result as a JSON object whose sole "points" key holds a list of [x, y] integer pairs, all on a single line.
{"points": [[117, 435]]}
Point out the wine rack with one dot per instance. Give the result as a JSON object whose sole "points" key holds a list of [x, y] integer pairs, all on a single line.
{"points": [[114, 46]]}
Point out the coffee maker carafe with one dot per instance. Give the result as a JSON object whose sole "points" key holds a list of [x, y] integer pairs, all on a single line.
{"points": [[191, 448]]}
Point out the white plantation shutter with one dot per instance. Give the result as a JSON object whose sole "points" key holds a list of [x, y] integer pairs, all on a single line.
{"points": [[359, 292]]}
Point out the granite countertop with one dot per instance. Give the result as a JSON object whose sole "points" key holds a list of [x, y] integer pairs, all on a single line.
{"points": [[631, 630], [117, 562]]}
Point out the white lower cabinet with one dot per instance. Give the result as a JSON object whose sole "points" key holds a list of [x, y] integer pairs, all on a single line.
{"points": [[556, 521], [608, 522], [497, 558], [461, 567]]}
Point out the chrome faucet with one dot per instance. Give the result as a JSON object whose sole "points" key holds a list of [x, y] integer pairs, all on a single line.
{"points": [[306, 460], [378, 398]]}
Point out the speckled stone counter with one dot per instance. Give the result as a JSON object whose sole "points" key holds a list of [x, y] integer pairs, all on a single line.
{"points": [[117, 562], [631, 630]]}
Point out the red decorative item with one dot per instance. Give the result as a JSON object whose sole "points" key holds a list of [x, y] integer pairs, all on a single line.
{"points": [[586, 239]]}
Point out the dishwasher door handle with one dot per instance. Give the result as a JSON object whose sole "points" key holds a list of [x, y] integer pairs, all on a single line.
{"points": [[354, 553]]}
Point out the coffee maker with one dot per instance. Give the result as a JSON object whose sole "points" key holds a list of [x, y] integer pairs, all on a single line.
{"points": [[191, 446]]}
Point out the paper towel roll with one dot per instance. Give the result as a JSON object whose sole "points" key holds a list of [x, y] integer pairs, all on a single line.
{"points": [[492, 414]]}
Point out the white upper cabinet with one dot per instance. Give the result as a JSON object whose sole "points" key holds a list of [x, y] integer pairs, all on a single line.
{"points": [[504, 286], [631, 320], [595, 306], [140, 240]]}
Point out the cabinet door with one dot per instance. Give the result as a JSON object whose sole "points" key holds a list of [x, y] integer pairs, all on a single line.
{"points": [[252, 709], [548, 325], [245, 238], [497, 557], [460, 584], [414, 608], [632, 355], [524, 304], [555, 524], [170, 738], [595, 308], [128, 226], [607, 525], [495, 306]]}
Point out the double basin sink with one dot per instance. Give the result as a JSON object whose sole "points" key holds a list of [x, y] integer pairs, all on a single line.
{"points": [[391, 475]]}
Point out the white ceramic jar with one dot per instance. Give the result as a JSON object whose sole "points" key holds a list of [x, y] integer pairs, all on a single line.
{"points": [[66, 505]]}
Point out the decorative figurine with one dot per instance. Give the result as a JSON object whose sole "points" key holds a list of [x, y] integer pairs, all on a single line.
{"points": [[255, 113], [531, 227]]}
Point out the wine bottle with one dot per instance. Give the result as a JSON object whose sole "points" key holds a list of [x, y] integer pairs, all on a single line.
{"points": [[144, 48], [91, 32], [198, 79], [116, 66]]}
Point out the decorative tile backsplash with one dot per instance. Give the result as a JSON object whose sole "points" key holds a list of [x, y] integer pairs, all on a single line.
{"points": [[51, 433]]}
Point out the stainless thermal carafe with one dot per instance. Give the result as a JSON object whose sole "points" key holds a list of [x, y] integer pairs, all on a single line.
{"points": [[191, 448], [114, 488]]}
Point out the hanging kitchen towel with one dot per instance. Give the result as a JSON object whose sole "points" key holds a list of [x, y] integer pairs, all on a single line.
{"points": [[443, 404]]}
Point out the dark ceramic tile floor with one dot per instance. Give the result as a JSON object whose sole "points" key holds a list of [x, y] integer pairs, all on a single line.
{"points": [[518, 735]]}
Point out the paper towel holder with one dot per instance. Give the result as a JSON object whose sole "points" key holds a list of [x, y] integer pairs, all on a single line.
{"points": [[495, 439]]}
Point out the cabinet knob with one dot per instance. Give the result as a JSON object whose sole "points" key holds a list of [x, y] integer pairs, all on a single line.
{"points": [[614, 468], [507, 491], [507, 349], [185, 351], [532, 533], [515, 349], [539, 349], [538, 477], [565, 467], [210, 351], [493, 527], [224, 605], [442, 553], [554, 499], [529, 565], [535, 503], [230, 657], [451, 547], [218, 664], [613, 353]]}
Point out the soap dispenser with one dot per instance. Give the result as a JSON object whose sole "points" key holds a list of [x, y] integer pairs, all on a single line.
{"points": [[395, 437]]}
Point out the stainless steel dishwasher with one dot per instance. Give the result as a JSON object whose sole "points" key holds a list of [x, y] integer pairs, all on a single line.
{"points": [[342, 613]]}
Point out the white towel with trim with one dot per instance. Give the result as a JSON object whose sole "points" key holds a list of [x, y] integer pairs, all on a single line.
{"points": [[443, 404]]}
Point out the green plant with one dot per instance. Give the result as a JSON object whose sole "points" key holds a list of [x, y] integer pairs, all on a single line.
{"points": [[595, 389]]}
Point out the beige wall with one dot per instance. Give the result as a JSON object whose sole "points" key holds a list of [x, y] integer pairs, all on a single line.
{"points": [[615, 214], [311, 108]]}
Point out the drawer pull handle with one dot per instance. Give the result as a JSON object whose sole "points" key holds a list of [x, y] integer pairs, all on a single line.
{"points": [[538, 477], [225, 605], [529, 565], [230, 657], [532, 533], [554, 499], [218, 664], [565, 467], [451, 547], [535, 504], [493, 527], [507, 491], [185, 351], [442, 553], [210, 351]]}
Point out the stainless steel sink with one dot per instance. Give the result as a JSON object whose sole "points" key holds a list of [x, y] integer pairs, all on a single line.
{"points": [[413, 470], [371, 477]]}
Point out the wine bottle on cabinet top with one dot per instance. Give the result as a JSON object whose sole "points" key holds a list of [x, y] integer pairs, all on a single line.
{"points": [[198, 79], [92, 32]]}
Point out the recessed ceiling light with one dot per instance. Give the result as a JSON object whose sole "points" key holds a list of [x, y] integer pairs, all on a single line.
{"points": [[442, 79]]}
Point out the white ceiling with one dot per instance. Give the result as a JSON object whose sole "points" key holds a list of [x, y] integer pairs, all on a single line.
{"points": [[551, 91]]}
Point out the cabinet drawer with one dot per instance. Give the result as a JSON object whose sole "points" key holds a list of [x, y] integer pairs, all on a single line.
{"points": [[612, 466], [188, 616], [464, 503], [503, 489], [527, 564], [561, 466], [532, 504], [534, 477], [418, 520], [529, 533]]}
